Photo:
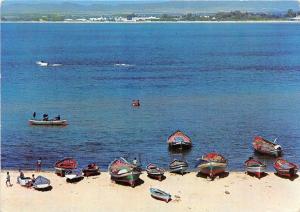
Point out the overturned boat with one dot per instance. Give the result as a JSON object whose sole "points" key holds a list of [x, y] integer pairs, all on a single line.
{"points": [[91, 170], [121, 170], [178, 140], [264, 146], [41, 183], [160, 195], [255, 167], [155, 172], [63, 165], [51, 122], [178, 166], [212, 164], [285, 168]]}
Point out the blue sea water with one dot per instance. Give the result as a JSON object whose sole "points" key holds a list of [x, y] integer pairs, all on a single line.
{"points": [[221, 84]]}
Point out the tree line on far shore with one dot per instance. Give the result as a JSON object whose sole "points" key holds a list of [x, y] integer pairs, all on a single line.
{"points": [[220, 16]]}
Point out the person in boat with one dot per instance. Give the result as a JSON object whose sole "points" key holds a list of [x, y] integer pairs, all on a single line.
{"points": [[57, 117], [135, 162], [45, 117], [136, 103], [33, 115], [39, 165]]}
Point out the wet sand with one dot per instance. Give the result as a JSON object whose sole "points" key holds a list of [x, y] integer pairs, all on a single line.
{"points": [[234, 192]]}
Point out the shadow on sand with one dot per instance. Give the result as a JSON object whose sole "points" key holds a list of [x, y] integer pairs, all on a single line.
{"points": [[288, 178], [262, 175], [137, 183], [44, 189], [76, 180], [222, 175]]}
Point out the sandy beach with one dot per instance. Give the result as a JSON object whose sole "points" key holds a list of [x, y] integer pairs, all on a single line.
{"points": [[235, 192]]}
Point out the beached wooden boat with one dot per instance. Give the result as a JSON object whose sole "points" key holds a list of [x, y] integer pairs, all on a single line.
{"points": [[178, 140], [121, 170], [41, 183], [255, 167], [160, 195], [178, 166], [212, 164], [48, 123], [264, 146], [155, 172], [285, 168], [63, 165], [91, 170]]}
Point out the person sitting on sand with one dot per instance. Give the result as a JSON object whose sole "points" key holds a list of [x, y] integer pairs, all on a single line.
{"points": [[33, 179], [8, 180], [21, 174]]}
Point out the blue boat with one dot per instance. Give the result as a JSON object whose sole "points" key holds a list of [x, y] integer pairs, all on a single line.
{"points": [[160, 195]]}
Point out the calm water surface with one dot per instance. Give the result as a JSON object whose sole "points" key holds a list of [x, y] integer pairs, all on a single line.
{"points": [[222, 84]]}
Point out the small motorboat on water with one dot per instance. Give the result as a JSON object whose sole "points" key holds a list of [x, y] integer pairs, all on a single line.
{"points": [[178, 140], [135, 103], [178, 166], [264, 146], [255, 167], [63, 165], [285, 168], [73, 175], [155, 172], [41, 183], [160, 195], [91, 170], [51, 122], [42, 63], [121, 170], [212, 164]]}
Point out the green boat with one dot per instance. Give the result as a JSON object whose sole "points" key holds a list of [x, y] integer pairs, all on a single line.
{"points": [[122, 171]]}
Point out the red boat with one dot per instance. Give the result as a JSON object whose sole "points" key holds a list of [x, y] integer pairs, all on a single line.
{"points": [[212, 164], [178, 140], [285, 168], [255, 167], [264, 146], [65, 164], [91, 170]]}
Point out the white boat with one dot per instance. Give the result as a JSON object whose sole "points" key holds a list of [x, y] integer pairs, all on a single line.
{"points": [[42, 63], [73, 175], [49, 122], [24, 181]]}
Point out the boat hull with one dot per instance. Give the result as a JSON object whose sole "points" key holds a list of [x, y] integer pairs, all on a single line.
{"points": [[264, 146], [285, 168], [212, 169], [48, 123], [88, 172], [160, 195], [257, 171], [130, 178]]}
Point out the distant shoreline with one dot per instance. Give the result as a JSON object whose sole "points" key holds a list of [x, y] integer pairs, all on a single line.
{"points": [[152, 22]]}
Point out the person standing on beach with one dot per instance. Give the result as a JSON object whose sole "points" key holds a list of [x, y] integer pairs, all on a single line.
{"points": [[8, 180], [39, 165]]}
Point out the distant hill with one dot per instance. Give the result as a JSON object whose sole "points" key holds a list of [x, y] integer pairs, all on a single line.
{"points": [[91, 8]]}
